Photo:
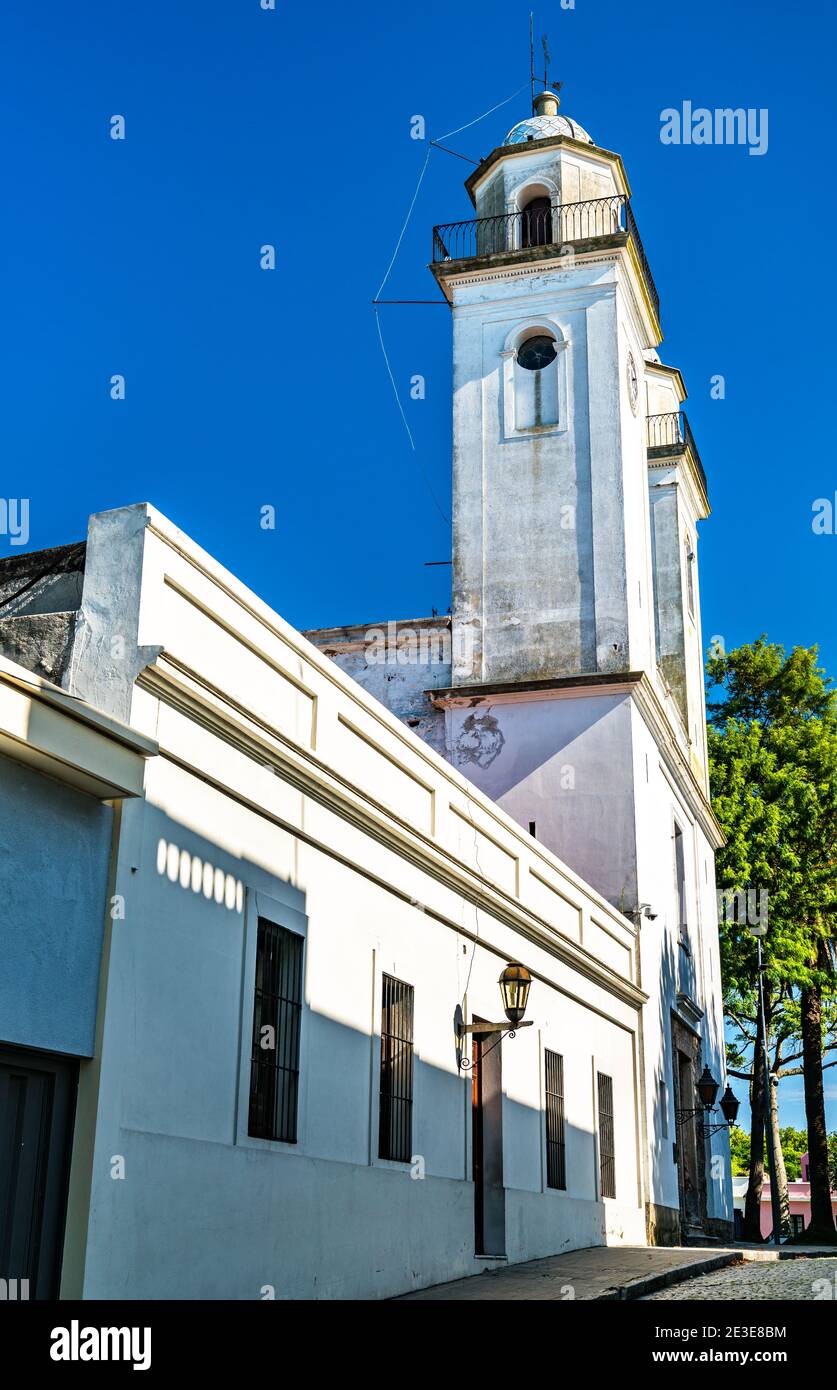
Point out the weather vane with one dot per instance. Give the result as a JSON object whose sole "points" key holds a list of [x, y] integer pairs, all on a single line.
{"points": [[547, 59]]}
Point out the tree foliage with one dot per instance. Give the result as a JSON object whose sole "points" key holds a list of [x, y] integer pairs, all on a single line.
{"points": [[794, 1147], [773, 771]]}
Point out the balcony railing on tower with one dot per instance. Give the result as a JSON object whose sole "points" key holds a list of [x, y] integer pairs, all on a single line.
{"points": [[671, 434], [562, 225]]}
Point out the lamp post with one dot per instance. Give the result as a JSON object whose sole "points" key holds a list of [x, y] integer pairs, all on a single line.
{"points": [[758, 931]]}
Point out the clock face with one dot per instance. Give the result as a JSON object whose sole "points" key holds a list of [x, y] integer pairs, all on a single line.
{"points": [[633, 383]]}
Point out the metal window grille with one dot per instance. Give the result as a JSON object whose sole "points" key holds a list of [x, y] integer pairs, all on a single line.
{"points": [[607, 1150], [274, 1059], [395, 1130], [663, 1106], [556, 1155]]}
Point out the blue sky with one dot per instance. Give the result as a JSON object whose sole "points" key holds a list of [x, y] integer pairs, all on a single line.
{"points": [[247, 388]]}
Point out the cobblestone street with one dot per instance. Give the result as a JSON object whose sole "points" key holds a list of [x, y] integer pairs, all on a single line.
{"points": [[799, 1281]]}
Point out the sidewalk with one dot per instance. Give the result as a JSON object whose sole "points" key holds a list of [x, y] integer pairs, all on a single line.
{"points": [[609, 1272], [604, 1272]]}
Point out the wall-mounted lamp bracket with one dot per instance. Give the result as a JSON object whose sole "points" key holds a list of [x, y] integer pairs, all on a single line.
{"points": [[506, 1027]]}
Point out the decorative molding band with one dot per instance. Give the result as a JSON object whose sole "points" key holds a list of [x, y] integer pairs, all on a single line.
{"points": [[526, 272]]}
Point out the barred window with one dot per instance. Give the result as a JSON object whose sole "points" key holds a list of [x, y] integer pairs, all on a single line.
{"points": [[607, 1151], [395, 1130], [274, 1059], [556, 1168]]}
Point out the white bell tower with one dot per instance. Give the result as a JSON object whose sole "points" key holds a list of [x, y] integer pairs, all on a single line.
{"points": [[574, 533], [576, 696]]}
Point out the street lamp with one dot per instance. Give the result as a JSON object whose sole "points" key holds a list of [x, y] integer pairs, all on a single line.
{"points": [[730, 1106], [759, 930], [515, 983], [707, 1089]]}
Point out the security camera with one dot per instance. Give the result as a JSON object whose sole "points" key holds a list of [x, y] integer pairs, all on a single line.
{"points": [[644, 910]]}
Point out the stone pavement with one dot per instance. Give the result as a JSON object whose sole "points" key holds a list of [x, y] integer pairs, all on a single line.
{"points": [[604, 1272], [630, 1271], [797, 1280]]}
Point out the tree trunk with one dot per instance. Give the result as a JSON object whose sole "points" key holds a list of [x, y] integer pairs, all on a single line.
{"points": [[752, 1206], [821, 1228], [780, 1177]]}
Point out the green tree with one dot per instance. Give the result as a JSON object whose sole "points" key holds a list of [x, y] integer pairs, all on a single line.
{"points": [[739, 1148], [773, 770], [794, 1145]]}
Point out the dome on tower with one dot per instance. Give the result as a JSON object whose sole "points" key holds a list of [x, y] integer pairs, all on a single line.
{"points": [[544, 128], [546, 124]]}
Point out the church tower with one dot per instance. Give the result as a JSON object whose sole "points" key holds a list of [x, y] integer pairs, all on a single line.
{"points": [[576, 696], [577, 490]]}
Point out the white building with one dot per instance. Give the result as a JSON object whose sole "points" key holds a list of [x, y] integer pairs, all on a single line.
{"points": [[311, 893], [64, 769], [287, 810]]}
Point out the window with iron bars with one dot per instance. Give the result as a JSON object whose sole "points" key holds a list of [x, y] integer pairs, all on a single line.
{"points": [[556, 1157], [277, 1013], [607, 1149], [395, 1129]]}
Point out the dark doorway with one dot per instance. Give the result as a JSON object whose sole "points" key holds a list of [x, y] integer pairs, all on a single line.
{"points": [[688, 1170], [537, 222], [487, 1128], [37, 1107]]}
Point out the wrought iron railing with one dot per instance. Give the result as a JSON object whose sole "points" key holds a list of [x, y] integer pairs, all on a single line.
{"points": [[543, 226], [633, 232], [672, 432]]}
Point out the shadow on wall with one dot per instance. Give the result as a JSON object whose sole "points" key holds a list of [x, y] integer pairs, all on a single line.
{"points": [[206, 1211], [668, 1137], [663, 1139], [565, 765]]}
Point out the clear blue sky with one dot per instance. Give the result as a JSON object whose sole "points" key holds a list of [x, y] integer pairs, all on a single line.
{"points": [[292, 127]]}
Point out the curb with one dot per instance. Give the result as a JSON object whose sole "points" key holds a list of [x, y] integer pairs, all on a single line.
{"points": [[652, 1283]]}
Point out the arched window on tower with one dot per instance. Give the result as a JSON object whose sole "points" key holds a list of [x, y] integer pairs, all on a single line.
{"points": [[536, 219], [690, 576], [536, 381]]}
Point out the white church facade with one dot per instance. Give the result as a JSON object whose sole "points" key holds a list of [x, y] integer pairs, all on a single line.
{"points": [[324, 863]]}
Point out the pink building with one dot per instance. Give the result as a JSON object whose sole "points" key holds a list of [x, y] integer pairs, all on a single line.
{"points": [[799, 1194]]}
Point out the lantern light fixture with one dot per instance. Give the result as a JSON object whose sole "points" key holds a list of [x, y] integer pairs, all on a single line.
{"points": [[707, 1089], [515, 983], [730, 1105]]}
